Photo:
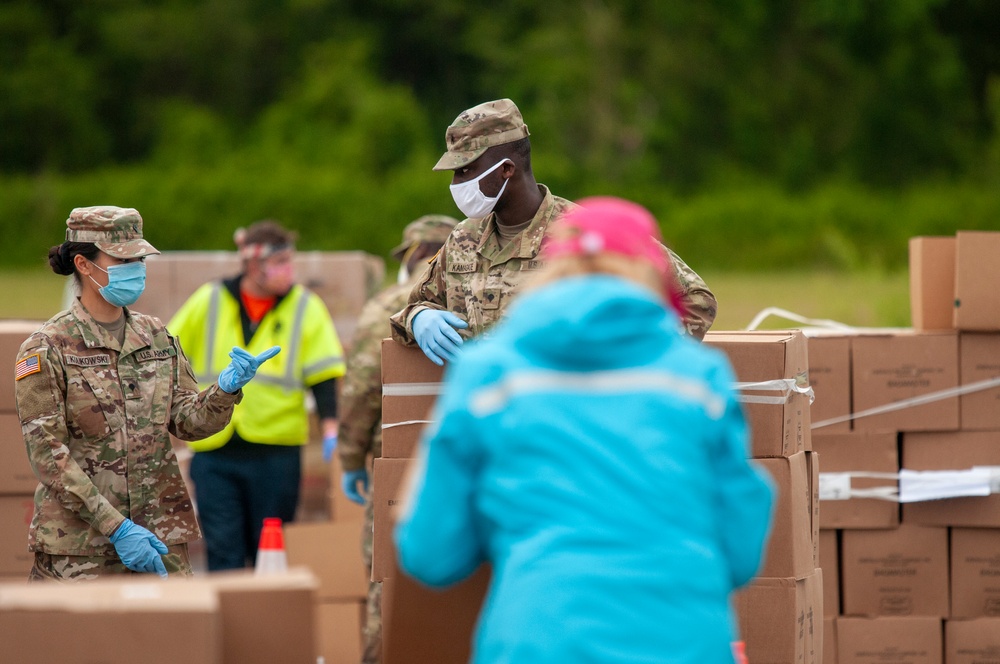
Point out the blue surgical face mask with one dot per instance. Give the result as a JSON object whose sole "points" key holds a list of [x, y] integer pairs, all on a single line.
{"points": [[125, 283]]}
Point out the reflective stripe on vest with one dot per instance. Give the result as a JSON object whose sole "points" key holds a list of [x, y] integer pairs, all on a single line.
{"points": [[289, 381]]}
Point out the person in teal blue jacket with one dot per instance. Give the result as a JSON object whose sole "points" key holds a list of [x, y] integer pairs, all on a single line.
{"points": [[597, 458]]}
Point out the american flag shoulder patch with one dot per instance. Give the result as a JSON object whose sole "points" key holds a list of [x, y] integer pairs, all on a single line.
{"points": [[27, 366]]}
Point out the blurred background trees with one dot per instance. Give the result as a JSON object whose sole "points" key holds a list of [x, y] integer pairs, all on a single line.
{"points": [[762, 134]]}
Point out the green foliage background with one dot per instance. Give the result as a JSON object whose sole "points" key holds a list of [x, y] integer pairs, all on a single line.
{"points": [[782, 134]]}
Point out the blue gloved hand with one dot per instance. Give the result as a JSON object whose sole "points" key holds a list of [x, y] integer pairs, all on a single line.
{"points": [[243, 367], [329, 446], [434, 331], [349, 482], [139, 549]]}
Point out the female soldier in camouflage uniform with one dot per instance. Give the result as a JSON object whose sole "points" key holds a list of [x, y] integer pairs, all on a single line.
{"points": [[98, 389]]}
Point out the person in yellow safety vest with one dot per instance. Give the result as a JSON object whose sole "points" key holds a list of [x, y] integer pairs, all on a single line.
{"points": [[252, 469]]}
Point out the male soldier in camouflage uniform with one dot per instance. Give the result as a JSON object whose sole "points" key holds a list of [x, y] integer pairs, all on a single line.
{"points": [[491, 254], [98, 388], [361, 392]]}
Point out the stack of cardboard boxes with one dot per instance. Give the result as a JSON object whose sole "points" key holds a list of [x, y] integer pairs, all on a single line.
{"points": [[222, 619], [17, 481], [780, 613], [917, 583]]}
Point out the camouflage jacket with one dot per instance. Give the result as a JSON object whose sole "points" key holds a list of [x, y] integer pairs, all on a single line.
{"points": [[95, 418], [476, 278], [361, 390]]}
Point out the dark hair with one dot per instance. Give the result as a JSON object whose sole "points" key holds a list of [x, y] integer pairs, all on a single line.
{"points": [[266, 232], [520, 152], [61, 256]]}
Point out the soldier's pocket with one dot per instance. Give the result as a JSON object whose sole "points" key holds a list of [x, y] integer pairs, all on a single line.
{"points": [[94, 402]]}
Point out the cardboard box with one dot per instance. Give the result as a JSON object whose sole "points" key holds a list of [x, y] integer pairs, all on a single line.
{"points": [[410, 386], [387, 487], [332, 551], [12, 335], [830, 378], [340, 631], [16, 476], [979, 360], [859, 452], [265, 618], [959, 450], [15, 517], [972, 641], [781, 620], [977, 273], [897, 572], [779, 422], [889, 641], [420, 624], [975, 573], [111, 622], [829, 562], [829, 639], [932, 282], [891, 368], [792, 550]]}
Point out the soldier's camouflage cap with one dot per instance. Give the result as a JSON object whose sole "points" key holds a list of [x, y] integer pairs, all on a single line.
{"points": [[478, 129], [428, 228], [115, 231]]}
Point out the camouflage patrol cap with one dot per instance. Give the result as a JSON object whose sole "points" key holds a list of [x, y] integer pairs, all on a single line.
{"points": [[428, 228], [479, 128], [115, 231]]}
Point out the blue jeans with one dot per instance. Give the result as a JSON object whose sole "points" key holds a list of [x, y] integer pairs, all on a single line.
{"points": [[236, 488]]}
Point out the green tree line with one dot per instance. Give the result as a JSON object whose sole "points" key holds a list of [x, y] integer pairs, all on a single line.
{"points": [[781, 133]]}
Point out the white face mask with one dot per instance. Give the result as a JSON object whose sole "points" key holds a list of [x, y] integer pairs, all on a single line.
{"points": [[471, 200]]}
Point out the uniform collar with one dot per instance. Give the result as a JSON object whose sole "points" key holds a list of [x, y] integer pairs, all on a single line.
{"points": [[525, 245], [95, 336]]}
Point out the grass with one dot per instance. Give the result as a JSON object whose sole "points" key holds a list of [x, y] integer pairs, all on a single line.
{"points": [[867, 299], [30, 293]]}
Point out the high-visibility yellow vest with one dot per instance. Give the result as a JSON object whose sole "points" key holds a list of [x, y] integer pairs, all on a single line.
{"points": [[273, 409]]}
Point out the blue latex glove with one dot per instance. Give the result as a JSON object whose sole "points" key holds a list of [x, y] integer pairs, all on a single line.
{"points": [[243, 367], [349, 482], [329, 446], [139, 549], [434, 331]]}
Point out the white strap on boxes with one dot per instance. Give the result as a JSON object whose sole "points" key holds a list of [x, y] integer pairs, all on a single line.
{"points": [[930, 397], [913, 485], [878, 410], [786, 386]]}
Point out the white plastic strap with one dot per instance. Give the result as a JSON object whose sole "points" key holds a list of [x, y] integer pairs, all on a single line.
{"points": [[914, 485], [411, 389], [787, 386], [784, 313], [407, 423], [914, 401], [838, 486]]}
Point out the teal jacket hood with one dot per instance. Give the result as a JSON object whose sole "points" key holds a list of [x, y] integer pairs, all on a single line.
{"points": [[596, 321]]}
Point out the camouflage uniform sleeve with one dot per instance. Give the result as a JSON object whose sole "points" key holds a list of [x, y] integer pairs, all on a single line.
{"points": [[361, 390], [41, 408], [429, 293], [699, 301], [195, 415]]}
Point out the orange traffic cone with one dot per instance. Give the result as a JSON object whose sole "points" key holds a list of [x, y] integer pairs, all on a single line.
{"points": [[271, 556], [740, 652]]}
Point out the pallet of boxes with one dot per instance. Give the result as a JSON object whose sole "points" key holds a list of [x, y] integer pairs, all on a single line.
{"points": [[907, 423], [780, 613]]}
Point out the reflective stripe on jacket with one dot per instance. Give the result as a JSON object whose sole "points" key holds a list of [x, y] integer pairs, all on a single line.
{"points": [[273, 410]]}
